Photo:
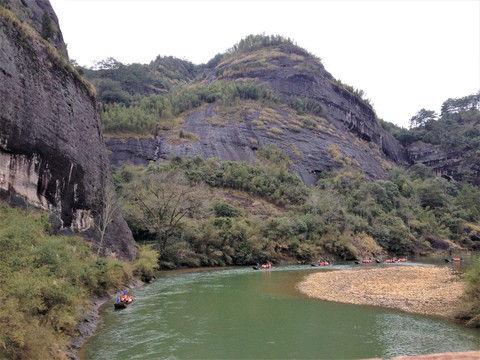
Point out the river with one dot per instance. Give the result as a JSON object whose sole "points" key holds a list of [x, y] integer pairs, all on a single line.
{"points": [[240, 313]]}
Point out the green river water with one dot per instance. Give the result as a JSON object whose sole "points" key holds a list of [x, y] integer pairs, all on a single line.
{"points": [[240, 313]]}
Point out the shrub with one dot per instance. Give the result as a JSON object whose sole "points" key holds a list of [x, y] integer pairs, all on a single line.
{"points": [[146, 263], [472, 293], [223, 209]]}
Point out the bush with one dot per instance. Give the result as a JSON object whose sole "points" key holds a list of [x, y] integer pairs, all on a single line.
{"points": [[223, 209], [472, 293], [146, 263]]}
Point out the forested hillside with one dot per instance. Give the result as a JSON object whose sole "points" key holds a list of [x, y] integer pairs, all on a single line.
{"points": [[203, 213], [448, 143], [265, 90], [366, 194]]}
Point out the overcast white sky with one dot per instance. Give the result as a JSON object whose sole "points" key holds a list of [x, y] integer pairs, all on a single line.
{"points": [[406, 55]]}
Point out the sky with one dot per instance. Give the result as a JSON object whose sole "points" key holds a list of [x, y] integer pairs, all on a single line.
{"points": [[404, 54]]}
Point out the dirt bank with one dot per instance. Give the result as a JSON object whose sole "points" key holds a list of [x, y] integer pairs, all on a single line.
{"points": [[424, 290]]}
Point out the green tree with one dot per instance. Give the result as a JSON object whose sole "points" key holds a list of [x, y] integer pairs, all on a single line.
{"points": [[431, 195], [160, 201], [466, 103], [422, 117], [222, 209]]}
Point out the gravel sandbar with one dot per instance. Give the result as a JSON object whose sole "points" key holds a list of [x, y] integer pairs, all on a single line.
{"points": [[427, 290]]}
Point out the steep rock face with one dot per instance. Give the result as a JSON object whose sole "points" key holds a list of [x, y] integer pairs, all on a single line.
{"points": [[52, 154], [132, 151], [345, 132], [310, 150], [452, 165], [39, 15], [291, 71]]}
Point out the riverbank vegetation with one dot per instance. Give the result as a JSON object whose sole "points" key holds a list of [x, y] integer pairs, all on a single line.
{"points": [[46, 280], [204, 213], [471, 296], [262, 212]]}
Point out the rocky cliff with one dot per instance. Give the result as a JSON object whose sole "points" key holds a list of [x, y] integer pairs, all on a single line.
{"points": [[52, 155], [344, 132], [456, 164]]}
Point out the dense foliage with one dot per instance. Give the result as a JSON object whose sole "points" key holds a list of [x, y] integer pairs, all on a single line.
{"points": [[46, 280], [119, 83], [455, 129], [344, 216], [472, 294], [147, 114]]}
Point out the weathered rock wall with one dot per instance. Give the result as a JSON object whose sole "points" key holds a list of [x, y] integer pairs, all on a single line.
{"points": [[238, 138], [298, 74], [350, 123], [452, 165], [131, 151], [32, 12], [52, 154]]}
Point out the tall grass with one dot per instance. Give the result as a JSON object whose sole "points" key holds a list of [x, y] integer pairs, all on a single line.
{"points": [[45, 280]]}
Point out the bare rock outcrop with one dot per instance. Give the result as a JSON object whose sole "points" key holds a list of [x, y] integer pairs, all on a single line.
{"points": [[293, 72], [344, 132], [52, 155], [455, 165]]}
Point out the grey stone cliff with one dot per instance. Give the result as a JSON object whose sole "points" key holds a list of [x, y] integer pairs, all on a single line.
{"points": [[455, 165], [349, 124], [52, 155]]}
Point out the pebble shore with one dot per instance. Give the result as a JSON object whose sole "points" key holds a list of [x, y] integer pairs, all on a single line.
{"points": [[427, 290]]}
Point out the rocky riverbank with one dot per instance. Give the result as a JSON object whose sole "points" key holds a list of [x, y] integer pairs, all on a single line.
{"points": [[426, 290], [88, 322]]}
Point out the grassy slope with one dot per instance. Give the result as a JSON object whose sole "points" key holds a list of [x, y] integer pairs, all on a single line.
{"points": [[45, 281]]}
